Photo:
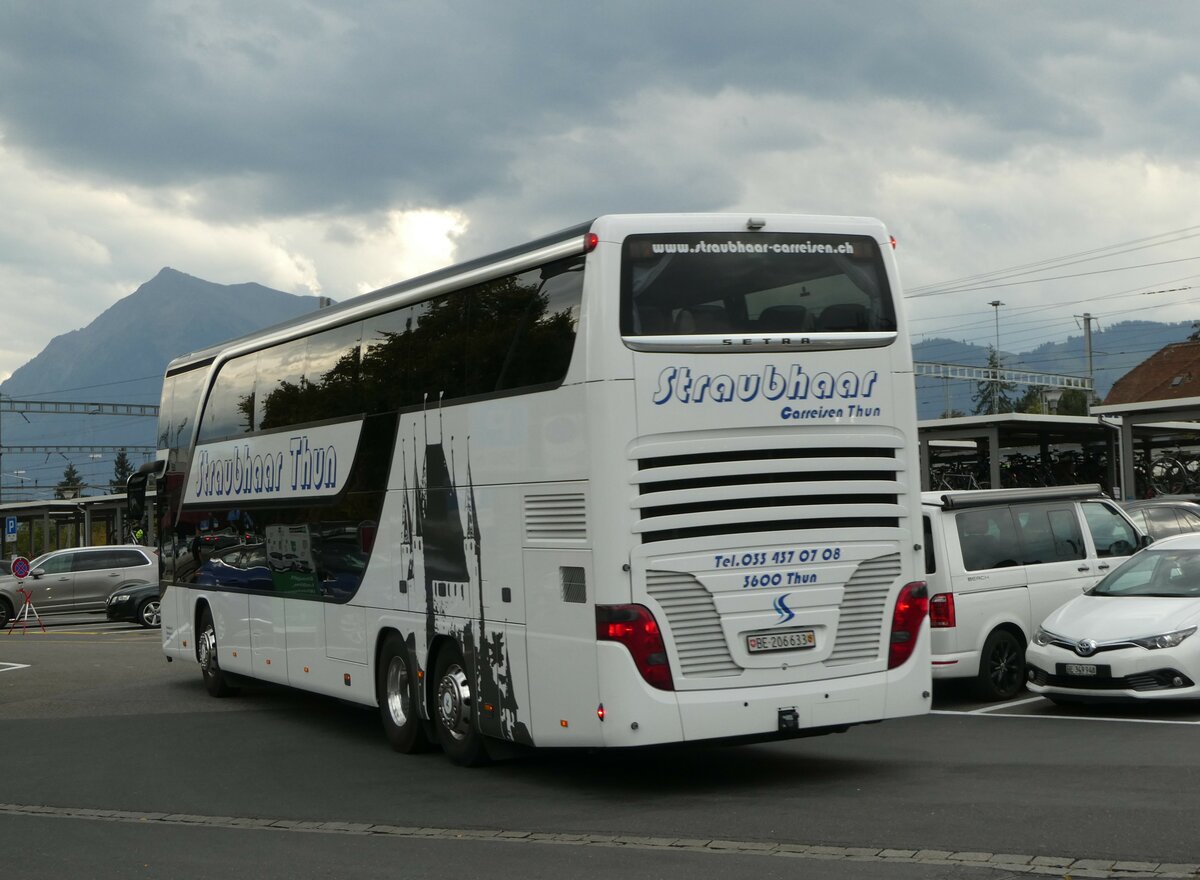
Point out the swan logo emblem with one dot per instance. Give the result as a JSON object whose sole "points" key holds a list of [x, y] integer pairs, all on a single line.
{"points": [[785, 613]]}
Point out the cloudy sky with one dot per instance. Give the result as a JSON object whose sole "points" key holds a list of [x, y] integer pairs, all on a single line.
{"points": [[1045, 151]]}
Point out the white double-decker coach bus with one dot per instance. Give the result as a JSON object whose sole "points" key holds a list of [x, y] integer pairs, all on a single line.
{"points": [[651, 479]]}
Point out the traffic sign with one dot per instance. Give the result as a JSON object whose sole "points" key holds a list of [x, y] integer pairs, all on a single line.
{"points": [[20, 568], [10, 528]]}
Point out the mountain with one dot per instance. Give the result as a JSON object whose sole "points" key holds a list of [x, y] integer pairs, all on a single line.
{"points": [[120, 358], [1115, 351]]}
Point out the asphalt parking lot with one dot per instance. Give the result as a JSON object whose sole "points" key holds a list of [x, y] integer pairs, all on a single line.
{"points": [[101, 730]]}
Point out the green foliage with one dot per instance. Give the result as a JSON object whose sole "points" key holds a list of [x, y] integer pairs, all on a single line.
{"points": [[993, 396], [122, 468], [70, 485]]}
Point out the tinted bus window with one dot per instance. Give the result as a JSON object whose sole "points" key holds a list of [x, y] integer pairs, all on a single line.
{"points": [[677, 284], [230, 407]]}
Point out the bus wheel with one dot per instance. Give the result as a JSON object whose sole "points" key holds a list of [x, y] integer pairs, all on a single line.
{"points": [[215, 680], [395, 688], [1001, 667], [456, 729]]}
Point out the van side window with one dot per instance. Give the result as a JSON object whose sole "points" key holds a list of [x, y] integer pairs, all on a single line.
{"points": [[1068, 538], [930, 561], [1048, 534], [988, 538], [1111, 532]]}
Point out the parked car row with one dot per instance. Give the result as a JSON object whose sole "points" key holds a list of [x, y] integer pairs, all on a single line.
{"points": [[1059, 590], [83, 579]]}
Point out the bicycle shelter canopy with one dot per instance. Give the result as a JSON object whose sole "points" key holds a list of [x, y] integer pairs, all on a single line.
{"points": [[56, 524], [1004, 434], [1151, 425]]}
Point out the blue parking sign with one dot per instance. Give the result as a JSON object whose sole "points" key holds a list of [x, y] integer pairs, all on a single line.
{"points": [[10, 528]]}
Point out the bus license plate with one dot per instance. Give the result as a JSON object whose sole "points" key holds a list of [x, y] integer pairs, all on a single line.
{"points": [[1080, 669], [781, 641]]}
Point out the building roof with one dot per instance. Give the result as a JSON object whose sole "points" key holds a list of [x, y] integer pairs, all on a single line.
{"points": [[1168, 374]]}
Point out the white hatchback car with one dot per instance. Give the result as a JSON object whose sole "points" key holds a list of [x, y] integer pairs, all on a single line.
{"points": [[1132, 636]]}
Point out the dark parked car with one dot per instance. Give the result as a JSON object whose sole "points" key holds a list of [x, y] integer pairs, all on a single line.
{"points": [[1162, 517], [138, 603], [78, 579]]}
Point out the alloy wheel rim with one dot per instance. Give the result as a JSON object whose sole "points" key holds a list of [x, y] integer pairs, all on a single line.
{"points": [[454, 703], [397, 691]]}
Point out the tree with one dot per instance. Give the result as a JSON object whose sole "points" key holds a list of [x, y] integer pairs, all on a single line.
{"points": [[993, 395], [70, 485], [1032, 401], [1073, 403], [121, 471]]}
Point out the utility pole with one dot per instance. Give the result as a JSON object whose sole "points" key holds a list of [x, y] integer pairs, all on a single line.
{"points": [[1087, 319], [995, 304]]}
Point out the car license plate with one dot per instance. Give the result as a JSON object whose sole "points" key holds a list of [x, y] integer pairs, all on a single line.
{"points": [[1080, 668], [791, 640]]}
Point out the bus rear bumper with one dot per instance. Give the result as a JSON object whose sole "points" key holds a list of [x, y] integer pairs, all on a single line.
{"points": [[763, 712]]}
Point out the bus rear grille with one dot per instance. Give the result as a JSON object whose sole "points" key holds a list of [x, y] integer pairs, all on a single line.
{"points": [[694, 624], [556, 519], [864, 608], [725, 487]]}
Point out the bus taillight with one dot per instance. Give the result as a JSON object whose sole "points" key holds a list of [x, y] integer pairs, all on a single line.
{"points": [[941, 611], [635, 628], [911, 608]]}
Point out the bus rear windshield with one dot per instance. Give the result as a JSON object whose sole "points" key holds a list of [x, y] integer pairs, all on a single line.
{"points": [[770, 283]]}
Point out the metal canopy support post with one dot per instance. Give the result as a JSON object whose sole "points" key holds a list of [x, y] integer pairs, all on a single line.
{"points": [[1120, 463], [993, 447], [924, 465]]}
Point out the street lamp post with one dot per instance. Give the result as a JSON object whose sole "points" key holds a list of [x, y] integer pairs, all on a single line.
{"points": [[995, 304]]}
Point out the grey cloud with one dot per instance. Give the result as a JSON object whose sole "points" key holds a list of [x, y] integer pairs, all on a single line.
{"points": [[301, 107]]}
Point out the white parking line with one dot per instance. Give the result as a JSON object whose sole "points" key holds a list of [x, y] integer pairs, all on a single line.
{"points": [[986, 709], [1067, 717], [9, 667]]}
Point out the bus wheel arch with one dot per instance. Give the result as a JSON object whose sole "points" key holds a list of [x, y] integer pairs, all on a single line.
{"points": [[398, 693]]}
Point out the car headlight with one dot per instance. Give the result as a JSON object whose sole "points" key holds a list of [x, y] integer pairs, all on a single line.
{"points": [[115, 599], [1041, 637], [1166, 640]]}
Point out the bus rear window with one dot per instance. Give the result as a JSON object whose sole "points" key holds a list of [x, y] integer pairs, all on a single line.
{"points": [[767, 283]]}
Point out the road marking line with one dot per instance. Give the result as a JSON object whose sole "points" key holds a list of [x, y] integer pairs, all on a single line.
{"points": [[1008, 862], [1067, 718], [987, 709], [10, 667]]}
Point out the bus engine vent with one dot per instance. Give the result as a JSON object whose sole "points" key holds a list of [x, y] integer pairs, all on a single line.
{"points": [[864, 607], [694, 623], [556, 519], [729, 485]]}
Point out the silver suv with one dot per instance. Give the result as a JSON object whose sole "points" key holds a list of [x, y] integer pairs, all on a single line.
{"points": [[78, 579]]}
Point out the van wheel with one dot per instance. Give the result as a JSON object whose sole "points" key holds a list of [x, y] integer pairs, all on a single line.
{"points": [[1001, 667], [457, 728]]}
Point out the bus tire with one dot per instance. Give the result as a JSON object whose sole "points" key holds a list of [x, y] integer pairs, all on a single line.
{"points": [[216, 681], [396, 689], [457, 728], [1001, 667]]}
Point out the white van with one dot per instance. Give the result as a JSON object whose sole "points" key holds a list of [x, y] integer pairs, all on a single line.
{"points": [[998, 561]]}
